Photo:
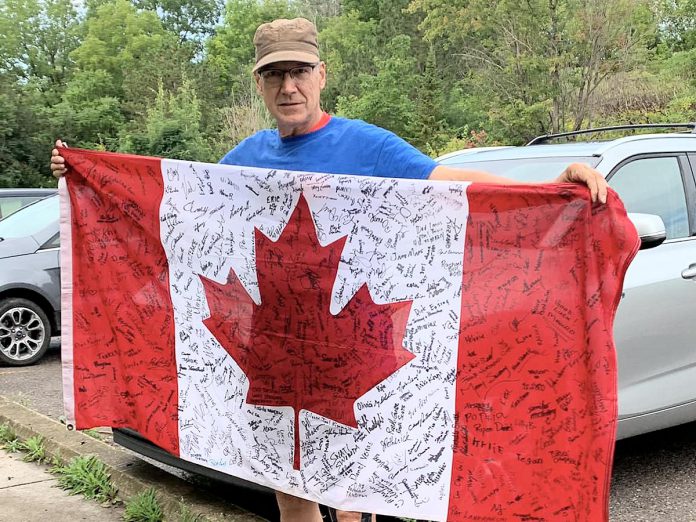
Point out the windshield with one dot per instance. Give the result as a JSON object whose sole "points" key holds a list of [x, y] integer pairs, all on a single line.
{"points": [[31, 219], [526, 169]]}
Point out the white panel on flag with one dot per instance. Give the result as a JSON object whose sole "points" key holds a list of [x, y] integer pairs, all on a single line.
{"points": [[413, 232]]}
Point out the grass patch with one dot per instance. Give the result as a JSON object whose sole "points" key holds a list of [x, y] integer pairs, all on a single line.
{"points": [[35, 450], [92, 433], [144, 507], [13, 446], [87, 476], [6, 434], [186, 515], [56, 460]]}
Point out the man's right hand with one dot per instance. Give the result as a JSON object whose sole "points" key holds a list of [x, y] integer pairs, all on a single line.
{"points": [[58, 167]]}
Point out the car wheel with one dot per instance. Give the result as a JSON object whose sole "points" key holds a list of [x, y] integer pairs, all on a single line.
{"points": [[25, 332]]}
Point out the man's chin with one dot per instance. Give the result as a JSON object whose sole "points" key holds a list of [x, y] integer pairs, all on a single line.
{"points": [[294, 114], [290, 118]]}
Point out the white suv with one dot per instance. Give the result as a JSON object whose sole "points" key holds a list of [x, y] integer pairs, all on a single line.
{"points": [[655, 329]]}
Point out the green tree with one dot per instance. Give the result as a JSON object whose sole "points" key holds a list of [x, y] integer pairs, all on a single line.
{"points": [[230, 53], [536, 66], [386, 97], [22, 137], [37, 39], [429, 127], [172, 127], [89, 114], [120, 38], [191, 20], [677, 23], [348, 46], [126, 53]]}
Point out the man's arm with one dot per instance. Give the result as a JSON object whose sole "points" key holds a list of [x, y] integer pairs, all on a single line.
{"points": [[477, 176], [574, 173]]}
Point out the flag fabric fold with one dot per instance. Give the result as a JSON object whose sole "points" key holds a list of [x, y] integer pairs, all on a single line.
{"points": [[427, 349]]}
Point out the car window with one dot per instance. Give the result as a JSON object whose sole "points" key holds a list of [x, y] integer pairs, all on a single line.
{"points": [[10, 204], [30, 219], [654, 186], [524, 169], [54, 242]]}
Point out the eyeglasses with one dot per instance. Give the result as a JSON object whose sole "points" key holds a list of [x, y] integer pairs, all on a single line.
{"points": [[275, 77]]}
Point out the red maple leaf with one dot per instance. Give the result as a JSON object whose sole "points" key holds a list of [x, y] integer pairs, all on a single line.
{"points": [[292, 349]]}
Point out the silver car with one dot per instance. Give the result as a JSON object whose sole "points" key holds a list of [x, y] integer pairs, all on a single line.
{"points": [[655, 328], [12, 199], [29, 282]]}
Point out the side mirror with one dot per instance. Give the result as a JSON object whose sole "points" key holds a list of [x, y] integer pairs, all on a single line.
{"points": [[650, 227]]}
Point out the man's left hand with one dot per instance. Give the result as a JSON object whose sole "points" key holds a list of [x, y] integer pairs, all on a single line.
{"points": [[582, 173]]}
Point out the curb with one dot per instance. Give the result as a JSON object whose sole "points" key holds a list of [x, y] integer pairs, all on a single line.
{"points": [[130, 474]]}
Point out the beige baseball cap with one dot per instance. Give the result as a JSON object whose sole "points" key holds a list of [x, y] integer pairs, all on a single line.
{"points": [[285, 40]]}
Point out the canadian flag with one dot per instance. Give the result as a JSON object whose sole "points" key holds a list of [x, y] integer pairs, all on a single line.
{"points": [[425, 349]]}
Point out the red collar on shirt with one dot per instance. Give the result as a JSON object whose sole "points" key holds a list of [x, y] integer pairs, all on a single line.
{"points": [[325, 117]]}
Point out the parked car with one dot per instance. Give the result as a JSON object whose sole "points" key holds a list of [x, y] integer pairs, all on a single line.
{"points": [[13, 199], [453, 158], [29, 282], [655, 330]]}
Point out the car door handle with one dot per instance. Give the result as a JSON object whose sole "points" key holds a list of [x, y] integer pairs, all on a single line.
{"points": [[689, 273]]}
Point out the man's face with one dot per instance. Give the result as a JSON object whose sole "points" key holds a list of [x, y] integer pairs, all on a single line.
{"points": [[293, 102]]}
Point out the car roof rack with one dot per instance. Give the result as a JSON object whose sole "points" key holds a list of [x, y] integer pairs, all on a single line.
{"points": [[546, 137]]}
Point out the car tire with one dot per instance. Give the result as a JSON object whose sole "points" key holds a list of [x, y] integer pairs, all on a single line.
{"points": [[25, 332]]}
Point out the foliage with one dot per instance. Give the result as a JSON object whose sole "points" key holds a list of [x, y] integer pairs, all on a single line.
{"points": [[22, 134], [231, 50], [386, 97], [144, 507], [469, 139], [172, 127], [535, 66], [244, 115], [92, 433], [191, 20], [88, 476], [186, 515], [6, 433], [13, 446], [35, 450], [172, 77], [347, 45]]}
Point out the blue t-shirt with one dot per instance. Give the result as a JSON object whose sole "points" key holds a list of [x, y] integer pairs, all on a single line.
{"points": [[342, 146]]}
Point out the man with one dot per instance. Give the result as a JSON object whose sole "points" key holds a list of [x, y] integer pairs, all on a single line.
{"points": [[290, 77]]}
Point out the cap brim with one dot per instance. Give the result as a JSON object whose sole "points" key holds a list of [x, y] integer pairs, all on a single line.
{"points": [[286, 56]]}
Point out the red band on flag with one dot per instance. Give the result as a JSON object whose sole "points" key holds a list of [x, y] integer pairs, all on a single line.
{"points": [[536, 389], [124, 366]]}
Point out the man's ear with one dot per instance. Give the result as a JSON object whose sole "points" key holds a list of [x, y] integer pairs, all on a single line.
{"points": [[322, 75], [259, 86]]}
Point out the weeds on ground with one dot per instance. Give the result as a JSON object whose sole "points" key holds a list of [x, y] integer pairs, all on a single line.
{"points": [[93, 433], [185, 514], [6, 434], [143, 507], [87, 476], [56, 461], [35, 450], [13, 446]]}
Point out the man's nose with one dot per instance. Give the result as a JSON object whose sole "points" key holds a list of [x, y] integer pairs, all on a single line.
{"points": [[288, 84]]}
